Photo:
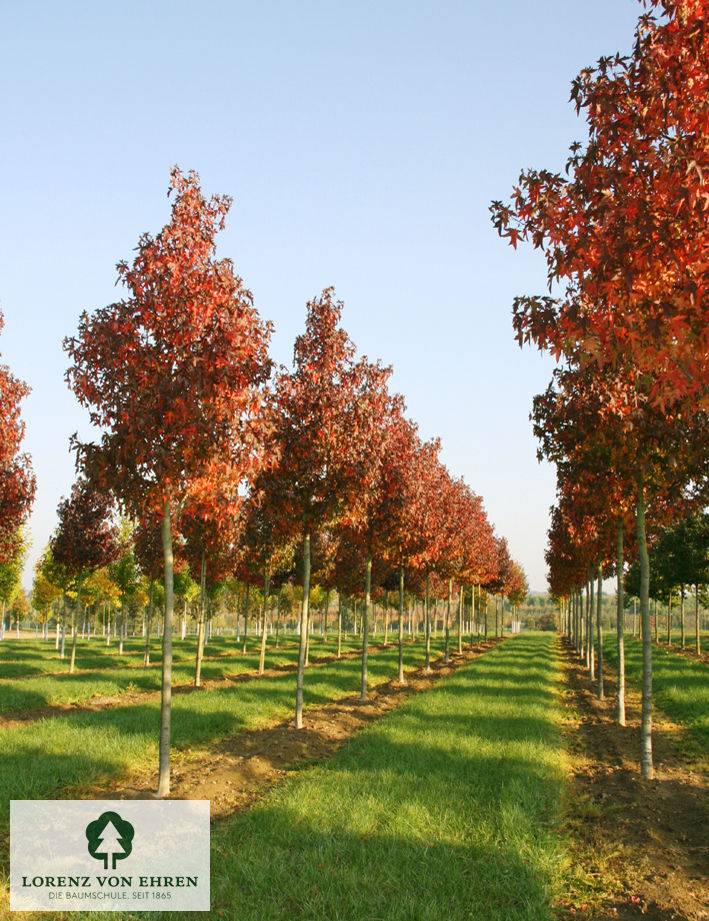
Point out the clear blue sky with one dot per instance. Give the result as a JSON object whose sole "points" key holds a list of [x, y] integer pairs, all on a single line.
{"points": [[362, 144]]}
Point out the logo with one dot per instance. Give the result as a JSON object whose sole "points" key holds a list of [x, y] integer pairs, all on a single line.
{"points": [[110, 839]]}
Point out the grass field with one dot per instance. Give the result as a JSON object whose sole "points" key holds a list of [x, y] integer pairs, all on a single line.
{"points": [[445, 809], [107, 674], [43, 758], [680, 684]]}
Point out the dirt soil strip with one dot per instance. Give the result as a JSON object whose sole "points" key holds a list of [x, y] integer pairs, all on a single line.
{"points": [[646, 840], [236, 772], [128, 699]]}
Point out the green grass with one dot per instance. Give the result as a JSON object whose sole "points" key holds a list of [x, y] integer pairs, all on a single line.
{"points": [[447, 808], [114, 675], [680, 684], [42, 759]]}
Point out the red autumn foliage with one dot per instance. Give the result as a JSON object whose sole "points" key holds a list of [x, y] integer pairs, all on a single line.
{"points": [[626, 232], [17, 482]]}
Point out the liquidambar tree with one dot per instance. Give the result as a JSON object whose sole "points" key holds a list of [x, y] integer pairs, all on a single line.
{"points": [[17, 482], [172, 375]]}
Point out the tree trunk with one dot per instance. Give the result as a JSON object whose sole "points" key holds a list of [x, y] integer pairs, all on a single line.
{"points": [[620, 628], [669, 618], [278, 617], [472, 615], [402, 679], [446, 657], [148, 627], [63, 643], [427, 617], [647, 768], [460, 619], [599, 597], [166, 689], [266, 584], [246, 618], [339, 624], [200, 622], [697, 641], [303, 633], [365, 625], [591, 649], [681, 614], [325, 613], [72, 662]]}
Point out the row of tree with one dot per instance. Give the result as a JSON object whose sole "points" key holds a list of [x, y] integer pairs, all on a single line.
{"points": [[229, 466], [625, 236]]}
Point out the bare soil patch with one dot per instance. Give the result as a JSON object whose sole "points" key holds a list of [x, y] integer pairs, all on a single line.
{"points": [[237, 771], [644, 844]]}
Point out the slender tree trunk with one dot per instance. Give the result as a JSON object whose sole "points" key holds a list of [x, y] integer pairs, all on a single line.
{"points": [[591, 649], [365, 625], [200, 622], [647, 768], [307, 638], [402, 679], [148, 626], [166, 690], [681, 614], [447, 624], [635, 617], [266, 585], [339, 624], [303, 633], [669, 618], [63, 644], [74, 631], [246, 618], [472, 616], [427, 664], [697, 640], [502, 613], [278, 617], [325, 613], [620, 628], [599, 597], [460, 619], [657, 623]]}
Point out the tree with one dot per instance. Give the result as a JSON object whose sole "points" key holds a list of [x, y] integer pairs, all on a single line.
{"points": [[172, 375], [11, 572], [85, 538], [626, 232], [17, 481], [308, 483]]}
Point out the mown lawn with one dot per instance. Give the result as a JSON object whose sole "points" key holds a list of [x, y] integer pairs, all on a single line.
{"points": [[447, 808], [44, 757], [108, 674], [680, 684]]}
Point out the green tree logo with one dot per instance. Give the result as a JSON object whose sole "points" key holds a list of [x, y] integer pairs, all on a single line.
{"points": [[110, 839]]}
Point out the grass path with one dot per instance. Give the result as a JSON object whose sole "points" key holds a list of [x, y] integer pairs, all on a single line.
{"points": [[447, 808]]}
